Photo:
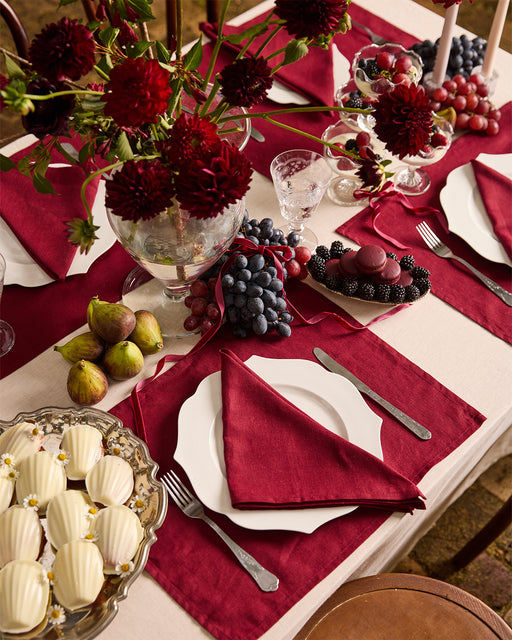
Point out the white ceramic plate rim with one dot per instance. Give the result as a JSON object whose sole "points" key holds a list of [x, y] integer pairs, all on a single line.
{"points": [[312, 388], [21, 268], [465, 211]]}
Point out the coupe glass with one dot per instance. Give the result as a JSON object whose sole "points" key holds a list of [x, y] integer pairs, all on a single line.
{"points": [[300, 179], [411, 179], [7, 337]]}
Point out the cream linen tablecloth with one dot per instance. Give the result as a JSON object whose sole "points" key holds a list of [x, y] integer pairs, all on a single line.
{"points": [[470, 361]]}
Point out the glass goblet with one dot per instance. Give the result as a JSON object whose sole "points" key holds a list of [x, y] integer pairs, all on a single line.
{"points": [[7, 337], [411, 179], [300, 179]]}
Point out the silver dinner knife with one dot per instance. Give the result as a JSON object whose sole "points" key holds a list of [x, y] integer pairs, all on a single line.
{"points": [[407, 421]]}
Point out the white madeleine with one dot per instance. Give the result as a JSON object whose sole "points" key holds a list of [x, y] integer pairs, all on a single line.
{"points": [[23, 596], [78, 574], [40, 475], [67, 517], [20, 535], [110, 481], [119, 534], [6, 489], [21, 441], [83, 445]]}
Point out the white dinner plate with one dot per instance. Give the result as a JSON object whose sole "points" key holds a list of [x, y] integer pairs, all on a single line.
{"points": [[327, 397], [20, 267], [465, 210]]}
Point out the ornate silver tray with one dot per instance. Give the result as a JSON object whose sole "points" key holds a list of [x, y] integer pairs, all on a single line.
{"points": [[88, 622]]}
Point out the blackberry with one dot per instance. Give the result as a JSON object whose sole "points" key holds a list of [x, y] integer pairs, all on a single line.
{"points": [[420, 272], [423, 284], [347, 249], [316, 266], [397, 293], [412, 293], [407, 262], [392, 255], [367, 291], [372, 68], [382, 292], [333, 282], [351, 145], [349, 286], [323, 252], [354, 103], [336, 250]]}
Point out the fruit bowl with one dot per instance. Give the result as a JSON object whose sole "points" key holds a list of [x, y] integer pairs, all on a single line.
{"points": [[88, 622]]}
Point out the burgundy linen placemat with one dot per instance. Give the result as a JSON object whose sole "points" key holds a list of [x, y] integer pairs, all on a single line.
{"points": [[189, 560], [451, 281]]}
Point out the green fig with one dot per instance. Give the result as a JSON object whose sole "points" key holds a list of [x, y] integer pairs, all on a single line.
{"points": [[112, 321], [123, 360], [87, 383], [147, 334], [86, 346]]}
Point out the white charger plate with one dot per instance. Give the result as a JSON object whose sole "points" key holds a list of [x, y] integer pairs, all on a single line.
{"points": [[466, 212], [327, 397], [20, 267]]}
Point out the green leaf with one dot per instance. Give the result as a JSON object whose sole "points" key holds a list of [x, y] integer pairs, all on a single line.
{"points": [[122, 148], [13, 69], [68, 151], [142, 8], [108, 36], [162, 53], [42, 184], [85, 152], [63, 3], [251, 32], [193, 58], [295, 50], [105, 64], [6, 164], [137, 49]]}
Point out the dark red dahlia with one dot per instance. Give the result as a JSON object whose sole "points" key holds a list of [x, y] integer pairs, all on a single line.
{"points": [[63, 50], [50, 117], [140, 190], [137, 93], [448, 3], [370, 172], [207, 187], [403, 120], [311, 18], [246, 82], [192, 138]]}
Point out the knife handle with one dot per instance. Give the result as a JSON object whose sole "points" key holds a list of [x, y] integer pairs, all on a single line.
{"points": [[418, 429]]}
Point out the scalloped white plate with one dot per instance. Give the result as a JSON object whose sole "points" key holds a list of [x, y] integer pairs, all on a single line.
{"points": [[330, 399]]}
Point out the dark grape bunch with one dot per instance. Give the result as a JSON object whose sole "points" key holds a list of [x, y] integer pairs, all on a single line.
{"points": [[465, 55], [412, 283]]}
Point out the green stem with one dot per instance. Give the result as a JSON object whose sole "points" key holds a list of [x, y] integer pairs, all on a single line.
{"points": [[265, 114], [57, 94], [216, 47]]}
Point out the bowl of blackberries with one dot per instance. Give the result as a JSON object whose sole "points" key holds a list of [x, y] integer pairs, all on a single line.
{"points": [[369, 273]]}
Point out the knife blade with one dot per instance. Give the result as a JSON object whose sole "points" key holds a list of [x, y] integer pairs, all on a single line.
{"points": [[331, 364]]}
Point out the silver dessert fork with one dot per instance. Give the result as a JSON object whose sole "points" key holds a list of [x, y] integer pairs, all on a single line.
{"points": [[373, 36], [191, 507], [441, 250]]}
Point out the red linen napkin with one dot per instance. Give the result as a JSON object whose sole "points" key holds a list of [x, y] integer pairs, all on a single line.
{"points": [[451, 281], [277, 457], [39, 220], [496, 192]]}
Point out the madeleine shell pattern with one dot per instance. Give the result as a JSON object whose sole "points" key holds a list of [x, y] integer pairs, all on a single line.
{"points": [[6, 490], [83, 446], [119, 534], [78, 571], [20, 441], [20, 535], [24, 596], [110, 481], [40, 475], [67, 517]]}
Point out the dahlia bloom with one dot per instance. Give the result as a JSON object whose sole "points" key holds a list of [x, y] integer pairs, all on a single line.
{"points": [[139, 190], [311, 18], [192, 139], [212, 184], [49, 117], [137, 93], [403, 120], [371, 172], [63, 50], [246, 82]]}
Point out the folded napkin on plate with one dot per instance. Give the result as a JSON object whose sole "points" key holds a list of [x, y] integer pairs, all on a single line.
{"points": [[301, 76], [277, 457], [39, 220], [496, 192]]}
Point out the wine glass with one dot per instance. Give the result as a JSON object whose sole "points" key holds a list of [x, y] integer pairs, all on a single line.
{"points": [[300, 179], [411, 179], [7, 337]]}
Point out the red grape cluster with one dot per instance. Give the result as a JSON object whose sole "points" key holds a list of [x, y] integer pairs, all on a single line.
{"points": [[469, 98], [204, 310], [397, 68]]}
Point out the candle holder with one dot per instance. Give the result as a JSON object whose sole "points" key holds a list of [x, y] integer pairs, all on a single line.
{"points": [[490, 82]]}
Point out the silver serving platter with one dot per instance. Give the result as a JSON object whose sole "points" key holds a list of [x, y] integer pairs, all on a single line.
{"points": [[88, 622]]}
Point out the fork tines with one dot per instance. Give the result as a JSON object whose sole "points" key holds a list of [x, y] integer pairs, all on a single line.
{"points": [[427, 234], [178, 492]]}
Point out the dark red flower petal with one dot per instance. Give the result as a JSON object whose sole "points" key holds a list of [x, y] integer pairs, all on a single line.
{"points": [[192, 138], [246, 82], [50, 117], [311, 18]]}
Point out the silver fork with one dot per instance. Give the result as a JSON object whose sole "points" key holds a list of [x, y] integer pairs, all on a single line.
{"points": [[441, 250], [373, 36], [191, 507]]}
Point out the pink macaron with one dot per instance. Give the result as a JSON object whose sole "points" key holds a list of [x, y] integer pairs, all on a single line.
{"points": [[371, 258], [347, 264], [390, 274]]}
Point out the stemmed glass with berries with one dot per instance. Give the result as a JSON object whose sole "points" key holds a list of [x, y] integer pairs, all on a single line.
{"points": [[412, 180]]}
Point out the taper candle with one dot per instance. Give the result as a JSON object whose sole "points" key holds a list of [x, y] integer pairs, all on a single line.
{"points": [[445, 45], [493, 41]]}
